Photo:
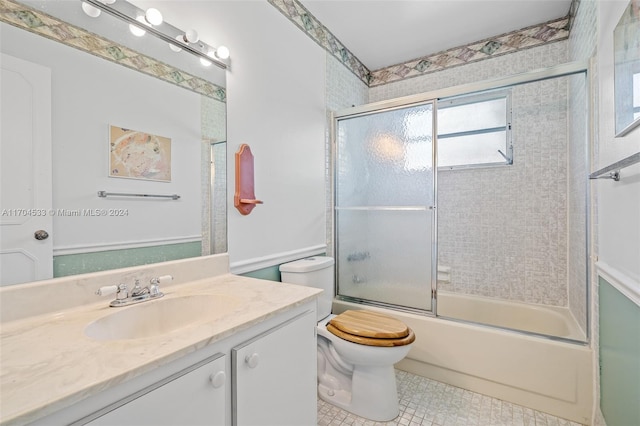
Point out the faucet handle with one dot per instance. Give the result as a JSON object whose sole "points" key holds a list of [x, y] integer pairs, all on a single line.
{"points": [[107, 290], [161, 279], [154, 288], [120, 289]]}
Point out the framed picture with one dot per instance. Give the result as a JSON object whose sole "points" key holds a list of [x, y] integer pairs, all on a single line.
{"points": [[138, 155], [626, 46]]}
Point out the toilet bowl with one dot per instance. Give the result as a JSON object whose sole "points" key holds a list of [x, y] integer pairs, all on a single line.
{"points": [[357, 349]]}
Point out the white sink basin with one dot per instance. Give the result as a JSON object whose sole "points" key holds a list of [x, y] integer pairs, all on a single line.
{"points": [[157, 317]]}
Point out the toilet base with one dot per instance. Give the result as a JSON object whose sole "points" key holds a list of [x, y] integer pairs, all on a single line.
{"points": [[373, 394]]}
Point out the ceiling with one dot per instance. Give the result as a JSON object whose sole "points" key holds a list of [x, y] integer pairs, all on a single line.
{"points": [[388, 32]]}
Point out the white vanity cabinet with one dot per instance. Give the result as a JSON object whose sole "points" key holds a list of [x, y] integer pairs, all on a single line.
{"points": [[274, 380], [264, 373], [194, 396]]}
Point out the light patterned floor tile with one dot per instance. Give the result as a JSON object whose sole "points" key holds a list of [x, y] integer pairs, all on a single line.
{"points": [[425, 402]]}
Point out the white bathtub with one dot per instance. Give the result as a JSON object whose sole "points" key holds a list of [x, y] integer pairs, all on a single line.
{"points": [[536, 372], [541, 319]]}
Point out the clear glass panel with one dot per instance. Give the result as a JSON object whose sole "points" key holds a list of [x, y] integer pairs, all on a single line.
{"points": [[384, 192], [471, 149], [472, 116]]}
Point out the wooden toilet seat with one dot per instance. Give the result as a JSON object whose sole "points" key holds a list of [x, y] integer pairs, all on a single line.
{"points": [[371, 329]]}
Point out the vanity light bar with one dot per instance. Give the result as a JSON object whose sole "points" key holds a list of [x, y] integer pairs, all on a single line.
{"points": [[133, 10]]}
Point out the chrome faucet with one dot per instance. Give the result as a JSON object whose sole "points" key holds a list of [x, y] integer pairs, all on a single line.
{"points": [[138, 294]]}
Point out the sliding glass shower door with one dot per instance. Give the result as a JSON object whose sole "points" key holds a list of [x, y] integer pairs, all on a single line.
{"points": [[385, 206]]}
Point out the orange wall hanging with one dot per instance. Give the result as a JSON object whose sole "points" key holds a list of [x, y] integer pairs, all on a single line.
{"points": [[244, 198]]}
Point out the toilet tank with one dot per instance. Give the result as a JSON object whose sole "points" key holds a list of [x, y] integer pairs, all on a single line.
{"points": [[316, 271]]}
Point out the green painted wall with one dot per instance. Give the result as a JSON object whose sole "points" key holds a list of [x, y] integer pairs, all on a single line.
{"points": [[619, 357], [272, 273], [72, 264]]}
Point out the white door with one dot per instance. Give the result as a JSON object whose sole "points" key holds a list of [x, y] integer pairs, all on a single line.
{"points": [[26, 252]]}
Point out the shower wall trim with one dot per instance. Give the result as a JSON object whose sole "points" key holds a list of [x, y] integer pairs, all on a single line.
{"points": [[625, 284], [498, 83]]}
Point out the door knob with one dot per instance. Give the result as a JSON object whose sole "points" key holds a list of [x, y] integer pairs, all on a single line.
{"points": [[41, 234], [217, 379], [252, 360]]}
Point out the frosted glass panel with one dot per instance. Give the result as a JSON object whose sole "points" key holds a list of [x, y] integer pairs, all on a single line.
{"points": [[385, 158], [385, 256], [384, 196]]}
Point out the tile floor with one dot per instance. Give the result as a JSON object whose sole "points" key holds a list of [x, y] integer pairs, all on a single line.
{"points": [[427, 402]]}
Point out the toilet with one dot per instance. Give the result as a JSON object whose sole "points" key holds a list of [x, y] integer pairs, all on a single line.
{"points": [[357, 349]]}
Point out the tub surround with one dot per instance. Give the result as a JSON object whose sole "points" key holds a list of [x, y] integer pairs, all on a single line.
{"points": [[48, 363]]}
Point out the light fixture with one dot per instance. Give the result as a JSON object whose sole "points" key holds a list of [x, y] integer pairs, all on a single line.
{"points": [[91, 11], [210, 54], [151, 22], [174, 47], [136, 30], [191, 36], [222, 52], [94, 12], [153, 16]]}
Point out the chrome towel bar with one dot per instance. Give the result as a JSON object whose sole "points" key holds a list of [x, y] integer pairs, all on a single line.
{"points": [[613, 171], [105, 194]]}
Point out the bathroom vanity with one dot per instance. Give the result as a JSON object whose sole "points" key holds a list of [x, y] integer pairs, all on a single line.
{"points": [[247, 359]]}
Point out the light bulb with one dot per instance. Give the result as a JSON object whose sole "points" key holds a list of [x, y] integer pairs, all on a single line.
{"points": [[91, 11], [153, 16], [209, 52], [174, 47], [222, 52], [136, 31], [191, 36]]}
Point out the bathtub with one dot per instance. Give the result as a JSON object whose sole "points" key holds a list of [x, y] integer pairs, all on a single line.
{"points": [[540, 319], [548, 375]]}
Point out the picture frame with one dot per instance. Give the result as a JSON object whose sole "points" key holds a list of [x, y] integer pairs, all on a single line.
{"points": [[135, 154]]}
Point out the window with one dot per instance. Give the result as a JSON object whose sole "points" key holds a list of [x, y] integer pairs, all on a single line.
{"points": [[475, 131]]}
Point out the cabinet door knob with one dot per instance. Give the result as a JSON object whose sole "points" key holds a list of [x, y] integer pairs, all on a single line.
{"points": [[252, 360], [217, 379]]}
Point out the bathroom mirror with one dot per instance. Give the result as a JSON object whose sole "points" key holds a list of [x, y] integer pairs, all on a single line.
{"points": [[626, 42], [156, 92]]}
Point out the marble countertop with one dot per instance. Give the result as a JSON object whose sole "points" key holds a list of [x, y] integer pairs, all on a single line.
{"points": [[48, 363]]}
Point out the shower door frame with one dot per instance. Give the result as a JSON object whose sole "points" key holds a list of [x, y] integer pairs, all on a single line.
{"points": [[335, 117], [563, 70]]}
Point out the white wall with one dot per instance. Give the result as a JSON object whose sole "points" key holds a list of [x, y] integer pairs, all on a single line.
{"points": [[618, 202], [89, 94], [276, 104]]}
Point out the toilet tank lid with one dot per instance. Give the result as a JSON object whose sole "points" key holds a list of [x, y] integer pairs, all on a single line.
{"points": [[308, 264]]}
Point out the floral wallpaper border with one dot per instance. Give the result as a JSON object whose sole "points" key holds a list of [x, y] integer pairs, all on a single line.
{"points": [[40, 23], [525, 38]]}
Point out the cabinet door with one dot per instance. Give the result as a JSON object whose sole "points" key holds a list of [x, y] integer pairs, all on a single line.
{"points": [[274, 376], [194, 396]]}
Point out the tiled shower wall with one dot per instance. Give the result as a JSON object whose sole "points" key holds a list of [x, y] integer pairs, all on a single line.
{"points": [[503, 231]]}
